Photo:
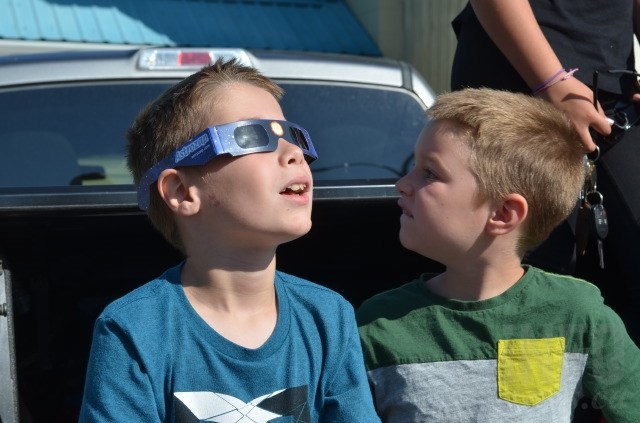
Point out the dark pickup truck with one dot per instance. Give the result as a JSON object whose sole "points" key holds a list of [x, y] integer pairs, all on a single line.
{"points": [[72, 238]]}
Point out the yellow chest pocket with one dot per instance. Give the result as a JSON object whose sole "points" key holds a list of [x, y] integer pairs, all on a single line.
{"points": [[529, 370]]}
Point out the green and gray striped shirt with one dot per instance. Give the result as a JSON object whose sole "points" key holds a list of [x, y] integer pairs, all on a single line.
{"points": [[527, 355]]}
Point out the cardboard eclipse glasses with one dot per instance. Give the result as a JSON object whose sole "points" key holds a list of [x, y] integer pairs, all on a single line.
{"points": [[236, 139]]}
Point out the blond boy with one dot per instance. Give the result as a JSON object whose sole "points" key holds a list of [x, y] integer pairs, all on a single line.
{"points": [[492, 340]]}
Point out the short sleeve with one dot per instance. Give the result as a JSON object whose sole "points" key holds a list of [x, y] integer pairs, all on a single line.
{"points": [[117, 387], [348, 397], [612, 374]]}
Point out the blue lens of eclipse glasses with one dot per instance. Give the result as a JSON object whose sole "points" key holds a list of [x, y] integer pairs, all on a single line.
{"points": [[236, 139]]}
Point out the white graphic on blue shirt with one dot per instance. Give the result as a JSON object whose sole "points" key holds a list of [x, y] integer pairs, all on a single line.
{"points": [[221, 408]]}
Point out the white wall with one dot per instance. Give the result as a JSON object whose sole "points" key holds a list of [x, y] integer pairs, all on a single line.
{"points": [[416, 31]]}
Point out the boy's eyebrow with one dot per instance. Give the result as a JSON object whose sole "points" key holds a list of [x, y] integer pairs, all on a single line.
{"points": [[434, 160]]}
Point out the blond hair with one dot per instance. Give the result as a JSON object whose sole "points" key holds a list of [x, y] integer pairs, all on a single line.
{"points": [[519, 144], [176, 116]]}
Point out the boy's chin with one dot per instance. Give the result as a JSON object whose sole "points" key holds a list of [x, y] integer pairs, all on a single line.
{"points": [[405, 242], [299, 231], [418, 249]]}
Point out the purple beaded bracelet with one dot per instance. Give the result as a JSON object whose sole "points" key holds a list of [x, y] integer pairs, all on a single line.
{"points": [[552, 81], [541, 86]]}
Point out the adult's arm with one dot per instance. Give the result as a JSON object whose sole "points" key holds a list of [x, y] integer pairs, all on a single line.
{"points": [[512, 26]]}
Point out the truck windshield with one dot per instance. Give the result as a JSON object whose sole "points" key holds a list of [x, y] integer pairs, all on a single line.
{"points": [[74, 134]]}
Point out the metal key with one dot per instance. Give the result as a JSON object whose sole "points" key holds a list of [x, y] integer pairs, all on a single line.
{"points": [[600, 223], [590, 177], [583, 227], [584, 219]]}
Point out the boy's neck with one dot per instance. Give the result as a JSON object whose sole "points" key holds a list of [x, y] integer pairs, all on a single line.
{"points": [[476, 282], [227, 287], [239, 304]]}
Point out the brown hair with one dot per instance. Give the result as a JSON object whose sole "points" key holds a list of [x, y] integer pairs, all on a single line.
{"points": [[519, 144], [177, 115]]}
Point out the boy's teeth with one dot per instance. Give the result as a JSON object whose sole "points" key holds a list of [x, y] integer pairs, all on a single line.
{"points": [[296, 187]]}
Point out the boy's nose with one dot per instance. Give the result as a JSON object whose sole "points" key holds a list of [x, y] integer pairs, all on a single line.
{"points": [[291, 154], [403, 186]]}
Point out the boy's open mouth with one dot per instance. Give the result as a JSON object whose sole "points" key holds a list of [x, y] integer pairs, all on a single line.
{"points": [[296, 189]]}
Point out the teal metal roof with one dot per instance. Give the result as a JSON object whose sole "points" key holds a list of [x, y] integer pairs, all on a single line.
{"points": [[315, 25]]}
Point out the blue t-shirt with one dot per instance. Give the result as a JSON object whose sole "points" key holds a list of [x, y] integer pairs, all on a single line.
{"points": [[153, 358]]}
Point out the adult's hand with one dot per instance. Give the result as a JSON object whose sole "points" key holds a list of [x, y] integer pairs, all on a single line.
{"points": [[575, 99]]}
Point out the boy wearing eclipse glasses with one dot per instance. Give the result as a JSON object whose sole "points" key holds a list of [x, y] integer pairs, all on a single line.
{"points": [[224, 336]]}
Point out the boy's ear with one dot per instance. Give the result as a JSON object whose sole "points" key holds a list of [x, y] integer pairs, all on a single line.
{"points": [[509, 213], [180, 196]]}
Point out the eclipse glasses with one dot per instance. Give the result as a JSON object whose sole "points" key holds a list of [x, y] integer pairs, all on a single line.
{"points": [[235, 139]]}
